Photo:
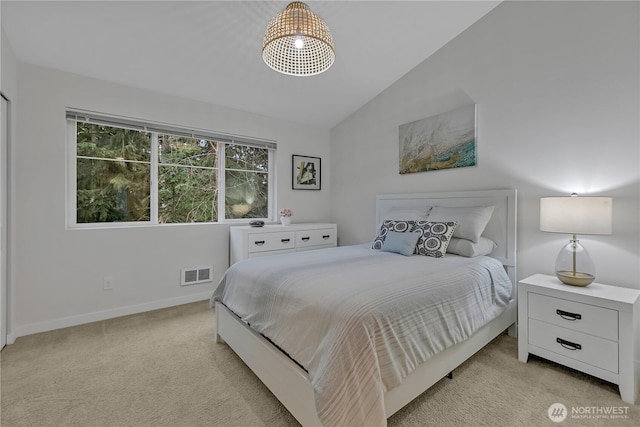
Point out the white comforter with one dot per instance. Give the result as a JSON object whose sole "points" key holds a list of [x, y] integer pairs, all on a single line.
{"points": [[359, 320]]}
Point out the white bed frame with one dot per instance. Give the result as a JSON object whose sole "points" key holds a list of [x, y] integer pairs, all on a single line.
{"points": [[290, 383]]}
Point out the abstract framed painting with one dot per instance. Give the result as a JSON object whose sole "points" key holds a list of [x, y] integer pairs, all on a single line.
{"points": [[306, 172], [443, 141]]}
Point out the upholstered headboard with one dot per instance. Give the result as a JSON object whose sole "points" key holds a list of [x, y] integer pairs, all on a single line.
{"points": [[501, 227]]}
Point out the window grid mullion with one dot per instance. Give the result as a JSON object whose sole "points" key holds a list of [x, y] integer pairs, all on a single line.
{"points": [[272, 196], [72, 183], [221, 184], [154, 178]]}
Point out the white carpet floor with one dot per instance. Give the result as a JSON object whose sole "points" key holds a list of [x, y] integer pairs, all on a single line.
{"points": [[162, 368]]}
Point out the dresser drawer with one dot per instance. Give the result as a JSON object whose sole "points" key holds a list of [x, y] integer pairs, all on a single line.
{"points": [[264, 242], [317, 237], [589, 319], [271, 239], [586, 348]]}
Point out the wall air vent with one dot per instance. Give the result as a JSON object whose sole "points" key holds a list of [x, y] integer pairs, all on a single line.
{"points": [[196, 275]]}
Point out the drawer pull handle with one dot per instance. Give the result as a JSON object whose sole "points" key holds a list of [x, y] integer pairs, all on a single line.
{"points": [[259, 242], [568, 344], [285, 240], [568, 316], [305, 239], [326, 236]]}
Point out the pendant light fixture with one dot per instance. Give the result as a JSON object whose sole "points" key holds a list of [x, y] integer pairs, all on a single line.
{"points": [[297, 42]]}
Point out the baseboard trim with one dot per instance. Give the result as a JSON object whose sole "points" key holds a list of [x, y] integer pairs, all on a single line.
{"points": [[65, 322]]}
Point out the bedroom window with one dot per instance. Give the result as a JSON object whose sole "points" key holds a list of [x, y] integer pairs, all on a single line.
{"points": [[124, 172]]}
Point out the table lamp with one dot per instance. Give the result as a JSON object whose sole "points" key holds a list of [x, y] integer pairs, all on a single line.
{"points": [[576, 215]]}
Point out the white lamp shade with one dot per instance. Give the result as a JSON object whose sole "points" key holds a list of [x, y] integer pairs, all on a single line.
{"points": [[576, 215]]}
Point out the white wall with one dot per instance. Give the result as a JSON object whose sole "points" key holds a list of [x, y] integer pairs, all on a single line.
{"points": [[557, 91], [9, 89], [556, 84], [8, 72], [59, 272]]}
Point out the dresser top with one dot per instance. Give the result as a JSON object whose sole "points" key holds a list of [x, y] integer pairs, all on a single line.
{"points": [[291, 227]]}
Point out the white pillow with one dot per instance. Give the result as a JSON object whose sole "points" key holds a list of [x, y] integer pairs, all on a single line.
{"points": [[471, 219], [408, 213], [470, 249]]}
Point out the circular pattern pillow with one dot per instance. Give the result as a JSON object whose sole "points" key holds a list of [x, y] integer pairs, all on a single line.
{"points": [[434, 237]]}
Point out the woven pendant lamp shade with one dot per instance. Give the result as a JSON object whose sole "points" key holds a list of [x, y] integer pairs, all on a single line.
{"points": [[298, 22]]}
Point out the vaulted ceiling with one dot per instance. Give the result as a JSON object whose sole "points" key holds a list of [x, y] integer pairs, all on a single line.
{"points": [[211, 50]]}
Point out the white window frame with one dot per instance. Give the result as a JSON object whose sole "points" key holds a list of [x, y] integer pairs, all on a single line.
{"points": [[154, 128]]}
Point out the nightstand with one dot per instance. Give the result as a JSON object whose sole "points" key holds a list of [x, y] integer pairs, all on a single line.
{"points": [[592, 329]]}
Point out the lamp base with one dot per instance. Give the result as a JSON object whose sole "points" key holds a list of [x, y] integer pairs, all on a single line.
{"points": [[577, 279]]}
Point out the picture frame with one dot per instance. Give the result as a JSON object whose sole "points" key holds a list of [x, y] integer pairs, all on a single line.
{"points": [[444, 141], [306, 172]]}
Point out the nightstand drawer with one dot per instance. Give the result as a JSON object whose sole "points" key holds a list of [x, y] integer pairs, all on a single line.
{"points": [[586, 348], [590, 319], [263, 242], [319, 237]]}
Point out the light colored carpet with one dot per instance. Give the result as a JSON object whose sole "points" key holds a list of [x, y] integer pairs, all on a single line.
{"points": [[162, 368]]}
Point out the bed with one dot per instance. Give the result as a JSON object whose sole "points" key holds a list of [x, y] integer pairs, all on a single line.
{"points": [[341, 372]]}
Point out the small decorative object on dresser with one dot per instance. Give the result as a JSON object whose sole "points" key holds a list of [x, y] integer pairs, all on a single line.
{"points": [[249, 242], [285, 216], [594, 330]]}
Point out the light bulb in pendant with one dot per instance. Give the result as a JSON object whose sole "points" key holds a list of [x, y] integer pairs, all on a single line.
{"points": [[298, 43]]}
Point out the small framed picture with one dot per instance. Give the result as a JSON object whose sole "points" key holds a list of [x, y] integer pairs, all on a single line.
{"points": [[306, 172]]}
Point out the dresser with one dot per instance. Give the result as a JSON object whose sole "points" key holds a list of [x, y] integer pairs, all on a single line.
{"points": [[592, 329], [249, 242]]}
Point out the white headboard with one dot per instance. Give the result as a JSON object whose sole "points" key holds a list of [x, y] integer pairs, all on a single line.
{"points": [[501, 228]]}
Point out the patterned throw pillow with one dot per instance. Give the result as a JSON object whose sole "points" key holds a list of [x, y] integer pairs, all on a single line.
{"points": [[391, 225], [435, 237]]}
